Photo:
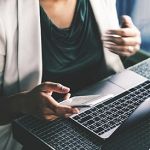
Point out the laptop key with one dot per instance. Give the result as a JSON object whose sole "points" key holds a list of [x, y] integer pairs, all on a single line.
{"points": [[86, 118], [98, 130]]}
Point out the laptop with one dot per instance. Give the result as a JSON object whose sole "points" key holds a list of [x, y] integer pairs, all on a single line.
{"points": [[108, 112], [89, 129]]}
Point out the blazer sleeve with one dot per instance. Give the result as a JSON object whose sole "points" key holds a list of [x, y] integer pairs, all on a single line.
{"points": [[2, 52]]}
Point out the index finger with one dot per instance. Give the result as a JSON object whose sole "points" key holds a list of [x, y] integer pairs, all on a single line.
{"points": [[124, 32], [54, 87]]}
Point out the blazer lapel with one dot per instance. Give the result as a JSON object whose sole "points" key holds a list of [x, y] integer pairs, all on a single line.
{"points": [[106, 17], [29, 44]]}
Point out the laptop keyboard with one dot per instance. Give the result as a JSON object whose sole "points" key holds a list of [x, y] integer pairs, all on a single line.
{"points": [[142, 68], [107, 115], [60, 134]]}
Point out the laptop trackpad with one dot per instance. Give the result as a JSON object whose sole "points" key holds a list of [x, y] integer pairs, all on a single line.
{"points": [[127, 79]]}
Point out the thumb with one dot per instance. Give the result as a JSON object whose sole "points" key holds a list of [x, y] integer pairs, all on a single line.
{"points": [[126, 21], [67, 96]]}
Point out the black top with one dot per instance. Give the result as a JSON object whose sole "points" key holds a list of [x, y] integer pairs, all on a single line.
{"points": [[72, 56]]}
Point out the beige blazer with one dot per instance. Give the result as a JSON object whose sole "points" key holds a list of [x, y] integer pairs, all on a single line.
{"points": [[20, 42]]}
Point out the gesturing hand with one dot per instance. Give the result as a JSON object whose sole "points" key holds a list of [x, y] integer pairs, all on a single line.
{"points": [[40, 101], [124, 41]]}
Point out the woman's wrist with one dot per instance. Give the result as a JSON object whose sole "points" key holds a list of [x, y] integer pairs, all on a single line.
{"points": [[11, 107], [16, 103]]}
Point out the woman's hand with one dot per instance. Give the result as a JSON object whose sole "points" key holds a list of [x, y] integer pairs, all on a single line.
{"points": [[124, 41], [39, 101]]}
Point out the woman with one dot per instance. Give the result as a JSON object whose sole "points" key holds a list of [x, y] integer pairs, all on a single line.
{"points": [[65, 42]]}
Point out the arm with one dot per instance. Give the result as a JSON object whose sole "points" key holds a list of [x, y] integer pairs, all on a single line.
{"points": [[38, 101]]}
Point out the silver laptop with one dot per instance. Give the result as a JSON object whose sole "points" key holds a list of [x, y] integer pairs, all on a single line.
{"points": [[118, 97], [111, 102]]}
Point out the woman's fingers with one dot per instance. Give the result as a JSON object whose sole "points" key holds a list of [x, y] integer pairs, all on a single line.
{"points": [[124, 32], [124, 41], [50, 117], [42, 103], [50, 102], [58, 109], [50, 108], [122, 50], [67, 96], [63, 110], [53, 87]]}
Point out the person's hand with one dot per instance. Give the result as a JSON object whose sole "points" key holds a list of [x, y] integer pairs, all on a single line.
{"points": [[124, 41], [39, 101]]}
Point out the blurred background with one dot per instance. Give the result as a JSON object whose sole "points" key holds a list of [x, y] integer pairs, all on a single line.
{"points": [[139, 10]]}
